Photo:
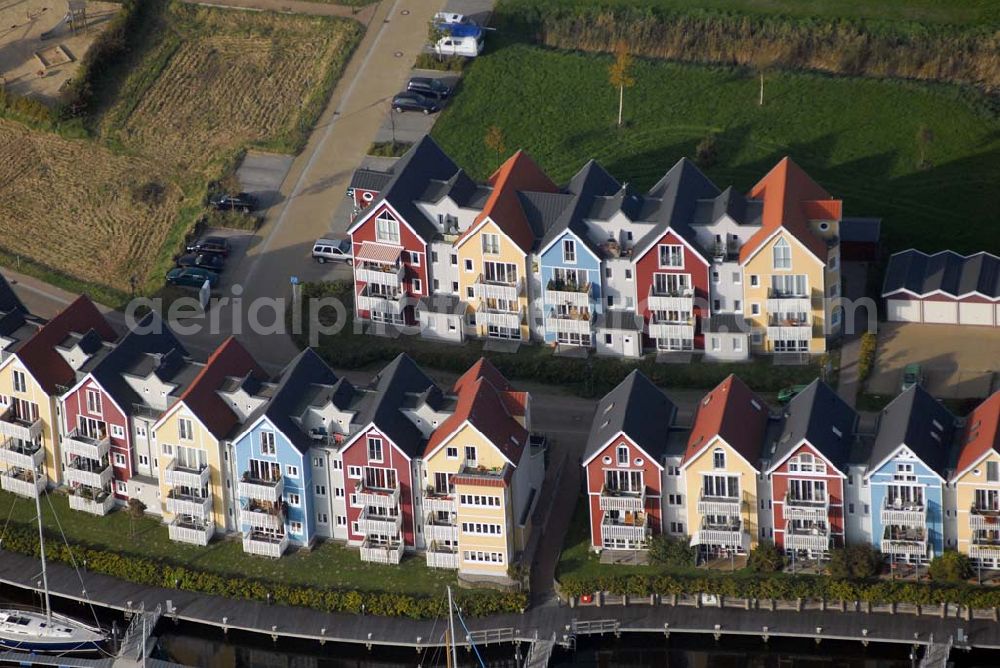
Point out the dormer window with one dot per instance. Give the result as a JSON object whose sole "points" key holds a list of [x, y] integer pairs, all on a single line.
{"points": [[782, 254], [718, 458], [622, 454]]}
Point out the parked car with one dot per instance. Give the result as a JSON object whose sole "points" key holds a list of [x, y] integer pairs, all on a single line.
{"points": [[786, 394], [192, 277], [429, 87], [212, 261], [451, 17], [912, 375], [244, 202], [460, 29], [218, 245], [325, 250], [459, 46], [408, 101]]}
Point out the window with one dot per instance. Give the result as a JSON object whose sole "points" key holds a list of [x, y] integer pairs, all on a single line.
{"points": [[143, 460], [451, 452], [479, 500], [470, 455], [168, 450], [293, 499], [835, 317], [737, 305], [317, 462], [470, 292], [483, 557], [121, 487], [782, 254], [386, 228], [832, 263], [569, 251], [434, 256], [292, 471], [94, 402], [674, 499], [715, 344], [338, 465], [117, 431], [850, 508], [611, 301], [468, 266], [354, 472], [754, 280], [119, 460], [482, 528], [737, 277], [676, 527], [491, 244], [672, 285], [338, 492], [320, 490], [715, 276], [295, 527], [671, 256], [454, 260], [716, 305], [20, 382], [737, 344], [607, 339], [720, 486], [607, 272], [185, 430], [267, 443], [622, 455], [140, 430], [792, 285], [673, 470], [322, 518], [354, 527], [417, 286], [718, 459], [341, 521], [437, 287], [374, 449], [992, 472], [628, 274], [755, 309]]}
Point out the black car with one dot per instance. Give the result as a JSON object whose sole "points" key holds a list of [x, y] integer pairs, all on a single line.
{"points": [[244, 202], [217, 245], [410, 101], [212, 261], [429, 87]]}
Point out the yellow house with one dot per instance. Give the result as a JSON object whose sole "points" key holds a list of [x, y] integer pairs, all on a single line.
{"points": [[39, 362], [791, 266], [977, 485], [720, 468], [189, 437], [494, 254], [481, 477]]}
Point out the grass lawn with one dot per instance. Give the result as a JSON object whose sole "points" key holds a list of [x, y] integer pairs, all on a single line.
{"points": [[857, 137], [329, 565]]}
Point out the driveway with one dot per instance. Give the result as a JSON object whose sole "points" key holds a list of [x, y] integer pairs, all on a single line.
{"points": [[958, 361]]}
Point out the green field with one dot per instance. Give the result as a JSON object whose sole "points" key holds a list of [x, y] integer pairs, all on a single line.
{"points": [[857, 137], [328, 565], [927, 11]]}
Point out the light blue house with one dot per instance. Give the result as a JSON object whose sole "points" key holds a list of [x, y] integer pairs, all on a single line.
{"points": [[271, 461], [907, 473]]}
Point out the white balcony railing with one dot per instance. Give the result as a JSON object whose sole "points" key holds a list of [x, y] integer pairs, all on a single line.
{"points": [[195, 534], [487, 289], [388, 276], [265, 545], [807, 541], [380, 553], [191, 506], [981, 548], [12, 426], [903, 514], [486, 317], [21, 454], [806, 509], [670, 301], [568, 324], [99, 506], [379, 525], [440, 532], [373, 496], [984, 519], [789, 333], [616, 529], [612, 499], [261, 518], [81, 472], [730, 536], [575, 298], [788, 305], [81, 445], [438, 503], [728, 506], [662, 330], [176, 475], [264, 490], [390, 305], [442, 559], [23, 484], [904, 548]]}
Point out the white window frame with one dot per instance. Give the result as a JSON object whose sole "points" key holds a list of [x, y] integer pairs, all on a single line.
{"points": [[490, 243], [670, 256], [781, 255], [185, 429], [386, 228], [268, 443], [569, 251]]}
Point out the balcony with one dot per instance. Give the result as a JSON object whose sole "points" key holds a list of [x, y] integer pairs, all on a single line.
{"points": [[671, 330], [904, 541], [485, 288], [89, 472], [813, 538], [789, 327], [381, 553], [180, 476], [719, 505], [390, 276], [379, 525], [376, 496], [787, 303], [262, 515], [23, 483], [901, 513], [474, 473], [729, 535], [569, 294], [262, 490], [193, 533], [441, 557], [622, 501], [670, 300], [984, 519], [189, 505], [568, 323], [12, 426], [389, 304], [985, 544], [630, 528], [22, 454], [265, 544], [815, 510], [726, 252], [437, 531], [492, 317], [81, 445], [86, 500], [444, 503]]}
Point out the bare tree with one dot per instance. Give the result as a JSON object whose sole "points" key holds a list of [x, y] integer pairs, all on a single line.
{"points": [[135, 509], [494, 141], [762, 62], [620, 75]]}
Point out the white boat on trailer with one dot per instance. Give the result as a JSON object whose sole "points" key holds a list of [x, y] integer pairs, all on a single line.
{"points": [[44, 631]]}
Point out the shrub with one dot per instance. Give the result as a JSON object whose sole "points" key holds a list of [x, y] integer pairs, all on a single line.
{"points": [[389, 149], [951, 566], [854, 562], [671, 551], [765, 558], [430, 61], [866, 358], [707, 152]]}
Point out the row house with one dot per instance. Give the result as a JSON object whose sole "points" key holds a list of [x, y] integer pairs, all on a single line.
{"points": [[976, 484], [597, 265]]}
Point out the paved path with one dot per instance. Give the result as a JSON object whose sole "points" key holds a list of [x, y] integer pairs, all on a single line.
{"points": [[362, 14], [855, 276]]}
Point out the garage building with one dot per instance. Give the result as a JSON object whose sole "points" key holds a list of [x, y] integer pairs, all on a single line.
{"points": [[945, 288]]}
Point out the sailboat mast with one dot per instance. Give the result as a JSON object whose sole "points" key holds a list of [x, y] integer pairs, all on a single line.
{"points": [[41, 548], [451, 626]]}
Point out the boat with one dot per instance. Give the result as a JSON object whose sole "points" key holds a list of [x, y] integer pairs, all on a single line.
{"points": [[44, 631]]}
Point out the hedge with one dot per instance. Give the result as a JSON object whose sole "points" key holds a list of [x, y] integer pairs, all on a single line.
{"points": [[787, 587], [866, 356], [22, 539]]}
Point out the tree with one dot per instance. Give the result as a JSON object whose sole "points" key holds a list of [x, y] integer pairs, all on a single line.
{"points": [[762, 62], [135, 509], [620, 75], [951, 566], [707, 151], [435, 33], [765, 558], [856, 562], [671, 551], [494, 141]]}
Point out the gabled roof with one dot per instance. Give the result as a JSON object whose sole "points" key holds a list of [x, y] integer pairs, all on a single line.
{"points": [[39, 354], [590, 182], [946, 272], [514, 401], [791, 198], [639, 410], [678, 193], [369, 179], [819, 416], [981, 434], [503, 207], [909, 420], [202, 396], [384, 400], [482, 405], [733, 412]]}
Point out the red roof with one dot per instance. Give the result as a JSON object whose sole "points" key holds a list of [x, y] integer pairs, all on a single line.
{"points": [[982, 432], [514, 401], [202, 397], [39, 354], [733, 412], [519, 173], [791, 199]]}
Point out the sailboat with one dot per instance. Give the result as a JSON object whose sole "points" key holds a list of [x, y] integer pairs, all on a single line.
{"points": [[44, 631]]}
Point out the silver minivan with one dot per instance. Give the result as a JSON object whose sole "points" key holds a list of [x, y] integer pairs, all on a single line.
{"points": [[332, 249]]}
